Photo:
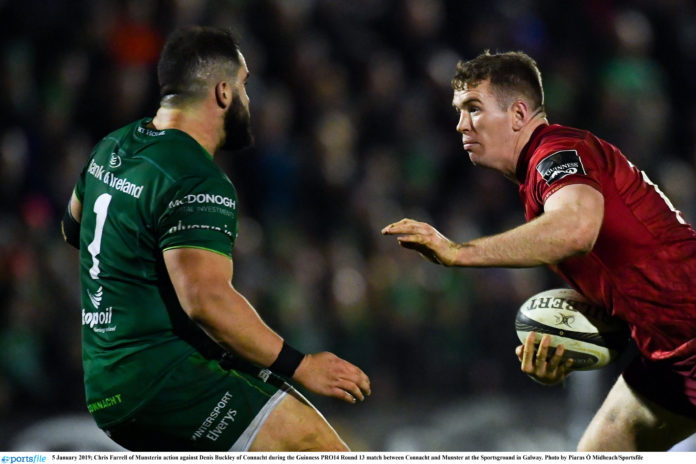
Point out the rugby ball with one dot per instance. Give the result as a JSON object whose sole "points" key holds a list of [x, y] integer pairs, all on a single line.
{"points": [[591, 336]]}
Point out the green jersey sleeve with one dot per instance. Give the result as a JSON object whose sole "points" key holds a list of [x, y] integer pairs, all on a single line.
{"points": [[199, 213], [80, 185]]}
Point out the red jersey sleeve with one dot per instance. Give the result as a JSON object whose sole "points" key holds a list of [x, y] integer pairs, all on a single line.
{"points": [[554, 166]]}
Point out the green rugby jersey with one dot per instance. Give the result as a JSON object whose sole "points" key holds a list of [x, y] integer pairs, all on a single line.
{"points": [[143, 191]]}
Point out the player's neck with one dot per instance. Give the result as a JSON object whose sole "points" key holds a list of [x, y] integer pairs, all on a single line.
{"points": [[523, 137], [190, 121]]}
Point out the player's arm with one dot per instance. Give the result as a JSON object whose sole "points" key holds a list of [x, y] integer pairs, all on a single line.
{"points": [[203, 283], [569, 226], [70, 224]]}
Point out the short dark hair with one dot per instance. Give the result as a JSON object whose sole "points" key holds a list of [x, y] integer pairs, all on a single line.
{"points": [[512, 74], [191, 58]]}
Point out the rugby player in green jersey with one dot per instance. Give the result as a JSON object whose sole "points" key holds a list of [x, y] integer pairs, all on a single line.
{"points": [[155, 221]]}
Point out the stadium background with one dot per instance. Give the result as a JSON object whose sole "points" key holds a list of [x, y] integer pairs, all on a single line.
{"points": [[350, 105]]}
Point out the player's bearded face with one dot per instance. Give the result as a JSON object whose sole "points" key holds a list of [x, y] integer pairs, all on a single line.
{"points": [[238, 133]]}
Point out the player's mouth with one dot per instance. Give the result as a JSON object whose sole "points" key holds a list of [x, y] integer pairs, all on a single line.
{"points": [[468, 145]]}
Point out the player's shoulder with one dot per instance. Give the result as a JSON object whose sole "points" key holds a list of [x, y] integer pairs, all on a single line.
{"points": [[556, 137], [164, 157], [171, 152], [559, 143], [114, 140], [563, 151]]}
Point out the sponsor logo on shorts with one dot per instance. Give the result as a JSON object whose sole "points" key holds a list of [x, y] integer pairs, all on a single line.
{"points": [[105, 403], [264, 374], [207, 429], [559, 165]]}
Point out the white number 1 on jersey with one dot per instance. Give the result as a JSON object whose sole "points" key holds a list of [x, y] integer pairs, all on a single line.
{"points": [[100, 209]]}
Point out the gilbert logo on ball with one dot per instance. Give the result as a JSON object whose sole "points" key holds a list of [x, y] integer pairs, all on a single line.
{"points": [[590, 336]]}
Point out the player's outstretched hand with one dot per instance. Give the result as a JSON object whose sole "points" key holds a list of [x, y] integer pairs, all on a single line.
{"points": [[538, 366], [327, 374], [425, 239]]}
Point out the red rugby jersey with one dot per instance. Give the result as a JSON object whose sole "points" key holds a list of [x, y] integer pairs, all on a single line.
{"points": [[643, 265]]}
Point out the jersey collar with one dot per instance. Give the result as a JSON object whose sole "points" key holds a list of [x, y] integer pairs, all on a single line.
{"points": [[527, 151], [145, 133]]}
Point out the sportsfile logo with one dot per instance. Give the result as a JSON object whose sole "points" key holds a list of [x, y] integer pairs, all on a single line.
{"points": [[13, 459]]}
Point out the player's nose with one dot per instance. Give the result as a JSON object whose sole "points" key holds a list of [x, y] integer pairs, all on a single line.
{"points": [[464, 123]]}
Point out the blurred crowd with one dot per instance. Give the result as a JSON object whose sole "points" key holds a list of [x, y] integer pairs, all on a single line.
{"points": [[351, 109]]}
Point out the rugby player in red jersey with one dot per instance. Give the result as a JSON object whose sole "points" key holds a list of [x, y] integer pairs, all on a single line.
{"points": [[601, 224]]}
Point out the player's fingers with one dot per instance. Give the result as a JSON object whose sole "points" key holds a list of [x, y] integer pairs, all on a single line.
{"points": [[412, 238], [556, 358], [399, 229], [353, 389], [528, 353], [364, 384], [355, 376], [543, 350], [530, 341], [519, 351], [342, 395], [413, 228], [422, 248], [565, 368], [403, 226], [541, 356]]}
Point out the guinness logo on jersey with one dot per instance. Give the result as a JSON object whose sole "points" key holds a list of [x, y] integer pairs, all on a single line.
{"points": [[560, 164]]}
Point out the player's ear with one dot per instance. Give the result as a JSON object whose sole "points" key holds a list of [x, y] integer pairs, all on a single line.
{"points": [[520, 114], [223, 94]]}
